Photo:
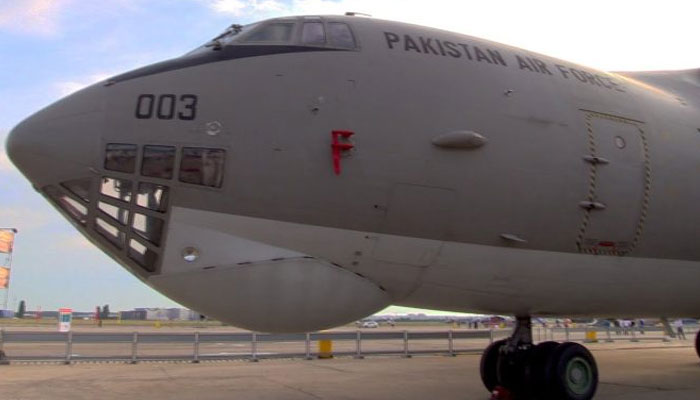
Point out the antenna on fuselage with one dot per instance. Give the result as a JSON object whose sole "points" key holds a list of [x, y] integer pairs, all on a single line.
{"points": [[357, 14]]}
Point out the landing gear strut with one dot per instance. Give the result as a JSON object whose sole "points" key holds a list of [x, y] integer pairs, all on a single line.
{"points": [[516, 368]]}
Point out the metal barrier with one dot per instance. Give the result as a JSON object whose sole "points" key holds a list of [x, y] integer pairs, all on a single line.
{"points": [[441, 342], [611, 334], [188, 346]]}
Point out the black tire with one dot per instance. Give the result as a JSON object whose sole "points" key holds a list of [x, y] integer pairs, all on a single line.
{"points": [[489, 365], [539, 359], [697, 343], [571, 373], [513, 369]]}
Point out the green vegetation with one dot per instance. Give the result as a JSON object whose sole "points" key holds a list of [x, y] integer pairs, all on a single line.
{"points": [[22, 309]]}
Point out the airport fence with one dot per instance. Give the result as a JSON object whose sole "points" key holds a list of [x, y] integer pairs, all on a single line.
{"points": [[588, 334], [134, 347]]}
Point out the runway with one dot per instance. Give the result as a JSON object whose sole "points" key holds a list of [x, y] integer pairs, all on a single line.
{"points": [[630, 371]]}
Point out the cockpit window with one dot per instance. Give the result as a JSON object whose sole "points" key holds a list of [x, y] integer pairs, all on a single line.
{"points": [[275, 32], [74, 208], [152, 196], [120, 157], [340, 35], [80, 188], [313, 33], [142, 255], [158, 161], [201, 166], [149, 228], [119, 189]]}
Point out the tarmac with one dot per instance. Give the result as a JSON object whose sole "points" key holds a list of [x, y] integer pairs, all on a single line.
{"points": [[629, 371]]}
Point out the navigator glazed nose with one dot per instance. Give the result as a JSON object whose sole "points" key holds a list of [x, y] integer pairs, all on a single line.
{"points": [[60, 141]]}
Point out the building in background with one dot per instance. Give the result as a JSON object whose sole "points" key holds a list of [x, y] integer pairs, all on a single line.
{"points": [[160, 314]]}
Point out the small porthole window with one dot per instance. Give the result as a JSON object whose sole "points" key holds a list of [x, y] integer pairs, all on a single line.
{"points": [[190, 254]]}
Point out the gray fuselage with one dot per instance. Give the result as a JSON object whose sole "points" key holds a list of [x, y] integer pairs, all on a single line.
{"points": [[575, 198]]}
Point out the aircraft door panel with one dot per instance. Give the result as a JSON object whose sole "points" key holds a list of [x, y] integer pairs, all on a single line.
{"points": [[619, 184]]}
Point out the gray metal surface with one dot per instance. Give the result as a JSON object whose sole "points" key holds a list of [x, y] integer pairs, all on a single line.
{"points": [[293, 242]]}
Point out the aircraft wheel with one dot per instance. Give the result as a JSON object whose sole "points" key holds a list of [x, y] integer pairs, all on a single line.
{"points": [[489, 365], [571, 373], [539, 358], [697, 343]]}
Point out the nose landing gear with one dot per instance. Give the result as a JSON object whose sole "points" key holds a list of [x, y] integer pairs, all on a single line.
{"points": [[515, 368]]}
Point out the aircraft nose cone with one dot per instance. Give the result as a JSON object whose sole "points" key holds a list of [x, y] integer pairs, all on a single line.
{"points": [[22, 149], [13, 145], [59, 142]]}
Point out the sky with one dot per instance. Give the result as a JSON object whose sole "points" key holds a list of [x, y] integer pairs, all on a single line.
{"points": [[51, 48]]}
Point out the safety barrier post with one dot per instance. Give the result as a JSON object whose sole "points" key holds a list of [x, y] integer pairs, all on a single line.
{"points": [[3, 357], [308, 346], [634, 336], [490, 335], [254, 347], [566, 329], [609, 339], [358, 345], [450, 342], [195, 358], [69, 346], [134, 347], [405, 344]]}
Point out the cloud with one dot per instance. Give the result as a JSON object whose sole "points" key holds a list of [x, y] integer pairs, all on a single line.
{"points": [[553, 27], [267, 6], [245, 7], [234, 7], [24, 218], [6, 166], [5, 163], [64, 88], [34, 17], [74, 241]]}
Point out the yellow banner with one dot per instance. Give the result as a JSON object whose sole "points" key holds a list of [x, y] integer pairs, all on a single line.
{"points": [[6, 240], [4, 278]]}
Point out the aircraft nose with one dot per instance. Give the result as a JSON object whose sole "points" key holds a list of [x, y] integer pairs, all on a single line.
{"points": [[59, 142]]}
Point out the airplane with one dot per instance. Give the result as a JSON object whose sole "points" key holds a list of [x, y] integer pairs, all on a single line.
{"points": [[304, 172]]}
